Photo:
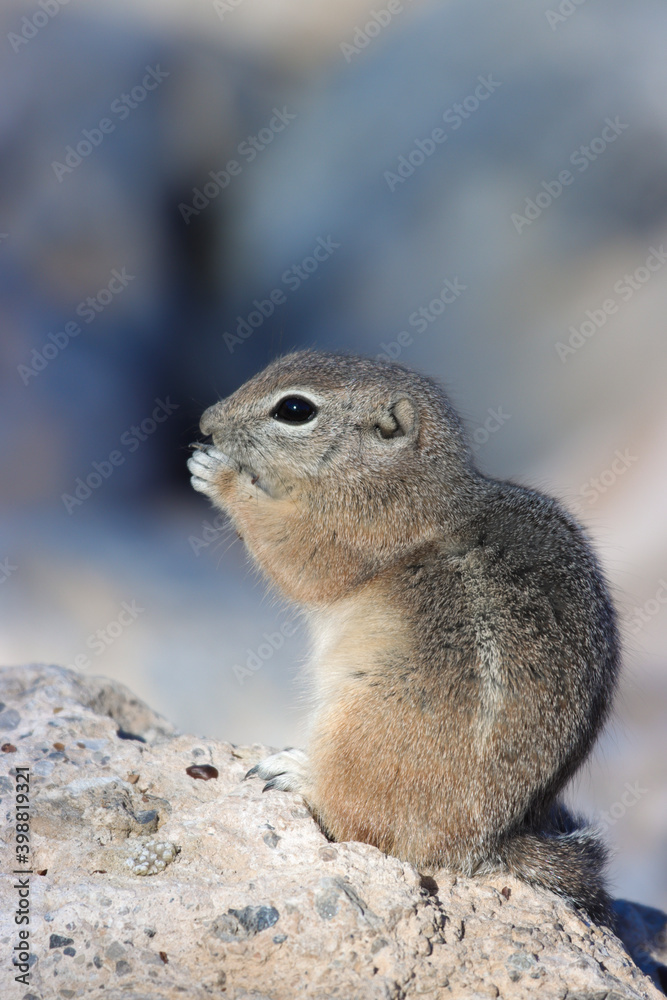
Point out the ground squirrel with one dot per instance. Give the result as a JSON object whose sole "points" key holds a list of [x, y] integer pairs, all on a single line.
{"points": [[465, 646]]}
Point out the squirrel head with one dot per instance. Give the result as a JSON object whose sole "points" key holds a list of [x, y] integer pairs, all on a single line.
{"points": [[361, 457], [312, 418]]}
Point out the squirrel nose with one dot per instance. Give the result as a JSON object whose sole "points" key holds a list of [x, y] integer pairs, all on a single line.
{"points": [[210, 418]]}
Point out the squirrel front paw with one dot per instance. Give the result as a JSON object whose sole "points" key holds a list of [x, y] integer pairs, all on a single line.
{"points": [[286, 771], [205, 464]]}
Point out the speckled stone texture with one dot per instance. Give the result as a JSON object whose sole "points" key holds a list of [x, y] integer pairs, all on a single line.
{"points": [[162, 885]]}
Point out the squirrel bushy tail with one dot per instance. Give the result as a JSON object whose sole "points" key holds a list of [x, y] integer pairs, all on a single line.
{"points": [[564, 856]]}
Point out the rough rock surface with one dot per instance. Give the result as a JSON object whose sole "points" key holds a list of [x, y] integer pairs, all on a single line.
{"points": [[150, 882]]}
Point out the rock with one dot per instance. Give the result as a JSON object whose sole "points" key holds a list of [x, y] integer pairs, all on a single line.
{"points": [[159, 885], [644, 933]]}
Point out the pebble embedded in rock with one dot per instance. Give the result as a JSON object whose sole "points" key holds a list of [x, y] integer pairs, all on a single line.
{"points": [[203, 771], [43, 768], [149, 817], [152, 857], [237, 925], [326, 903], [518, 963], [58, 941], [254, 919], [9, 719], [123, 734]]}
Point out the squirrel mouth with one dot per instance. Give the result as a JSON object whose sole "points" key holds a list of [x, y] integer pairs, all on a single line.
{"points": [[225, 453]]}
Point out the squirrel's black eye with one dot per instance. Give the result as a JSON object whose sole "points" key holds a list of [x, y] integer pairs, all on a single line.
{"points": [[294, 410]]}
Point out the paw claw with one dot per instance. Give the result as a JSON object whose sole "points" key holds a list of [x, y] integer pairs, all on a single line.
{"points": [[286, 771], [204, 464]]}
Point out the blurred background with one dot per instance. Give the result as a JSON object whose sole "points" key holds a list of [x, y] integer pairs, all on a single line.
{"points": [[477, 189]]}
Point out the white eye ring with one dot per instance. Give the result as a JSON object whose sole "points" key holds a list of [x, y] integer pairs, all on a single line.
{"points": [[295, 392]]}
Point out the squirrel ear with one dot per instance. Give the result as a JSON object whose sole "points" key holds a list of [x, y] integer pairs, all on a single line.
{"points": [[396, 420]]}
